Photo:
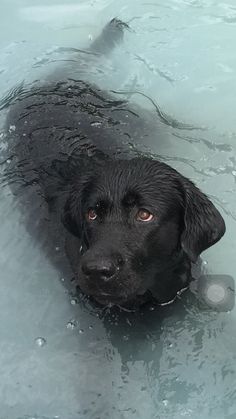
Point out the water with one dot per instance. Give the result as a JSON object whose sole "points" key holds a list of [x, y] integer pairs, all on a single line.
{"points": [[176, 361]]}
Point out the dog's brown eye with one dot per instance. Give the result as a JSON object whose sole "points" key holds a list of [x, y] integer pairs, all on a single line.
{"points": [[144, 215], [91, 215]]}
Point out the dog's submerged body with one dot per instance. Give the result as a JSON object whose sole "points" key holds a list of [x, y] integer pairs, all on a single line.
{"points": [[135, 224]]}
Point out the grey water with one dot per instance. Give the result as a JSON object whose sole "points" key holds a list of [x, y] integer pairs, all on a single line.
{"points": [[60, 356]]}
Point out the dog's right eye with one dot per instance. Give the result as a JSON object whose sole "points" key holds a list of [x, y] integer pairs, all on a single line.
{"points": [[91, 215], [144, 215]]}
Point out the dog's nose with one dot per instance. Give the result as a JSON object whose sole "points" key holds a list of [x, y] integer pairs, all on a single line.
{"points": [[103, 268]]}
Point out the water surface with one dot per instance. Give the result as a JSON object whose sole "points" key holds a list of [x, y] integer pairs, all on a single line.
{"points": [[60, 356]]}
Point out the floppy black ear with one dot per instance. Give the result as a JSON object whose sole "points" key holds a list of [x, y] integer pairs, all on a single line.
{"points": [[203, 224]]}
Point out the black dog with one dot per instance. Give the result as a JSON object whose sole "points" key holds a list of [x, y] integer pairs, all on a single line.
{"points": [[135, 223]]}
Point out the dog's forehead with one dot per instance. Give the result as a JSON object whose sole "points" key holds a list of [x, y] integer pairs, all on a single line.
{"points": [[141, 178]]}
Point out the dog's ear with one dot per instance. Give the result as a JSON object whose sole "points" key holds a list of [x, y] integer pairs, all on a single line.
{"points": [[203, 224]]}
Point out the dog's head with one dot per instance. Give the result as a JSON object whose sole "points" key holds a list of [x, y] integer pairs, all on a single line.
{"points": [[137, 220]]}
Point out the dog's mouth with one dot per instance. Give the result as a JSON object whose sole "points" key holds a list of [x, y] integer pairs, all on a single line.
{"points": [[130, 301], [107, 299]]}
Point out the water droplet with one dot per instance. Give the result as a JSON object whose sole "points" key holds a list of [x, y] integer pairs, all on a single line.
{"points": [[96, 124], [12, 128], [73, 302], [71, 324], [40, 341]]}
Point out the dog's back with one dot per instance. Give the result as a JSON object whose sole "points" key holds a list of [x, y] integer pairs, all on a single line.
{"points": [[57, 121]]}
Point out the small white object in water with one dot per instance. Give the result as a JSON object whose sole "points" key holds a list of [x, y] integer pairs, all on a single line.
{"points": [[12, 128], [40, 341], [73, 302], [216, 293], [96, 124], [71, 324]]}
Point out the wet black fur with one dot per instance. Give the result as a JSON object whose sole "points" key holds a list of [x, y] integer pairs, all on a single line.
{"points": [[67, 145]]}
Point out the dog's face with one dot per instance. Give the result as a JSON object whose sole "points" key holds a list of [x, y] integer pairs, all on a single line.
{"points": [[137, 220]]}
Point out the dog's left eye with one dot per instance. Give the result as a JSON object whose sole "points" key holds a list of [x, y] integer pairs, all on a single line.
{"points": [[91, 215], [144, 215]]}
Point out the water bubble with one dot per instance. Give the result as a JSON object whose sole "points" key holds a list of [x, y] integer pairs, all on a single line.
{"points": [[125, 337], [96, 124], [165, 402], [62, 279], [81, 331], [151, 308], [57, 248], [8, 161], [12, 128], [128, 322], [71, 324], [73, 302], [90, 327], [40, 341]]}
